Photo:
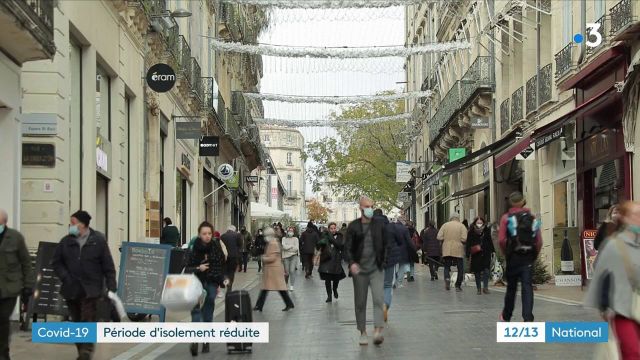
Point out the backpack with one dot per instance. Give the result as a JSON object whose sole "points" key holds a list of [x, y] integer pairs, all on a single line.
{"points": [[521, 233]]}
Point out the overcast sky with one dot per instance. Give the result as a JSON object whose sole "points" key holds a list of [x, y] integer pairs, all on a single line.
{"points": [[330, 77]]}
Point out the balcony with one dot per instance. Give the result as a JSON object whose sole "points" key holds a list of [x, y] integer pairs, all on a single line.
{"points": [[517, 99], [447, 108], [197, 90], [545, 85], [26, 29], [231, 128], [184, 59], [504, 116], [532, 94], [238, 103], [603, 32], [564, 61], [624, 21]]}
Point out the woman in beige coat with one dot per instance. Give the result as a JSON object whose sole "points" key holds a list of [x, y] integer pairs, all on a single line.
{"points": [[273, 275]]}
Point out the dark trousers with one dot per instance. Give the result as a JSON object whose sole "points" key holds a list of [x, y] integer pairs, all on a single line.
{"points": [[450, 261], [83, 310], [433, 266], [482, 278], [263, 297], [245, 260], [259, 263], [6, 309], [329, 287], [524, 274], [232, 266], [308, 264]]}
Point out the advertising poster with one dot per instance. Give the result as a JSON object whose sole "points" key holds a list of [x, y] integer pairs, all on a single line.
{"points": [[590, 252]]}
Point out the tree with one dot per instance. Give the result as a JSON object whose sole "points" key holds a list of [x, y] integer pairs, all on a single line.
{"points": [[317, 211], [362, 161]]}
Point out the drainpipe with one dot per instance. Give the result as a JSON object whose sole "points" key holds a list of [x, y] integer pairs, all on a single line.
{"points": [[583, 24]]}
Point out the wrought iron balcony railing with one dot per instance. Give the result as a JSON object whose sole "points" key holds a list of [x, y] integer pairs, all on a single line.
{"points": [[196, 80], [516, 105], [231, 128], [37, 17], [222, 113], [545, 85], [621, 16], [504, 116], [564, 60], [532, 94], [446, 109], [603, 32], [184, 59], [238, 104]]}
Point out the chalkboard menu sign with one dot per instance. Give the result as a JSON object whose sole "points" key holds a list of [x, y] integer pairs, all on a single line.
{"points": [[143, 269], [46, 299]]}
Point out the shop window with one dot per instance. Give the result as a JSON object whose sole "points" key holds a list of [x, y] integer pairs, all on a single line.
{"points": [[564, 203], [608, 180]]}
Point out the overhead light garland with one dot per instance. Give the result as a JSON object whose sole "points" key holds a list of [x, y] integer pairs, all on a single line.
{"points": [[339, 53], [328, 4], [336, 100], [332, 123]]}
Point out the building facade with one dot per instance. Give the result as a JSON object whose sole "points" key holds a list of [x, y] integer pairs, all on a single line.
{"points": [[533, 109], [285, 147], [118, 149]]}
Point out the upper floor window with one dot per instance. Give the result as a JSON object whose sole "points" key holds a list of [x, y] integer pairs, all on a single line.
{"points": [[289, 139], [567, 22], [267, 138], [103, 103], [289, 184], [289, 159]]}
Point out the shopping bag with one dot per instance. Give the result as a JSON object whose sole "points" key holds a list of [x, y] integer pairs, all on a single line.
{"points": [[181, 292], [496, 269], [117, 303], [608, 350]]}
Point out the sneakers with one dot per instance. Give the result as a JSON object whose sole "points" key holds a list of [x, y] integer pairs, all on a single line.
{"points": [[385, 312], [364, 340], [377, 337], [290, 287]]}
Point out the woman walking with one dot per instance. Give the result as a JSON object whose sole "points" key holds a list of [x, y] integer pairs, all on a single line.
{"points": [[273, 275], [431, 249], [258, 247], [479, 249], [331, 246], [290, 253], [616, 281], [206, 259]]}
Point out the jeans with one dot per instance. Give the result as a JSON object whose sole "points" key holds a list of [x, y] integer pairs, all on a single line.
{"points": [[6, 309], [263, 297], [361, 284], [403, 269], [83, 310], [245, 260], [482, 278], [205, 313], [459, 264], [524, 274], [412, 269], [290, 268], [389, 277]]}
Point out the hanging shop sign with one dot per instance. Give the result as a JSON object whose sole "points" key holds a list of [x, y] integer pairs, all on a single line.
{"points": [[225, 172], [590, 252], [209, 146], [480, 122], [34, 154], [529, 153], [404, 197], [188, 130], [39, 124], [233, 182], [161, 78], [549, 138], [457, 153], [251, 179], [403, 171]]}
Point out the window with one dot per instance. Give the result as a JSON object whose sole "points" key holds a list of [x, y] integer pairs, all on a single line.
{"points": [[103, 103], [267, 138], [289, 184], [289, 161], [567, 21], [289, 139], [598, 7]]}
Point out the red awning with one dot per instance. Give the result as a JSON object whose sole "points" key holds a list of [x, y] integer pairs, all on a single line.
{"points": [[509, 153], [604, 58]]}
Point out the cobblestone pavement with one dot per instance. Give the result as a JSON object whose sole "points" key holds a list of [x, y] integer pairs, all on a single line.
{"points": [[425, 322]]}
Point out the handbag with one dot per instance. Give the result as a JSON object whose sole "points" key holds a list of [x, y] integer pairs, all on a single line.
{"points": [[475, 249], [631, 274]]}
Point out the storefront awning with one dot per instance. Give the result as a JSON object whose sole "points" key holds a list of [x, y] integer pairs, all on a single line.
{"points": [[509, 153], [478, 155], [467, 192], [613, 54]]}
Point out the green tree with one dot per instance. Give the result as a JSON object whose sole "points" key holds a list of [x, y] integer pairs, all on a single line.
{"points": [[362, 160]]}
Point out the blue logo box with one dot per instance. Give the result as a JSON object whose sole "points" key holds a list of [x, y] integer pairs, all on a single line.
{"points": [[576, 332], [64, 332]]}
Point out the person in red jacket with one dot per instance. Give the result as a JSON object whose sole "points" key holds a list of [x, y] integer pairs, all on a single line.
{"points": [[521, 242]]}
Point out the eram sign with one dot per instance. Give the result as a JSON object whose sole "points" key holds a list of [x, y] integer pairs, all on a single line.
{"points": [[161, 78]]}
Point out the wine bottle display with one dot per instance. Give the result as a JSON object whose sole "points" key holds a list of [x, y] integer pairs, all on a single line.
{"points": [[566, 256]]}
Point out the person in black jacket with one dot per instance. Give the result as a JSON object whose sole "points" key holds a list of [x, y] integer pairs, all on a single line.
{"points": [[206, 260], [308, 241], [407, 250], [431, 249], [170, 234], [366, 246], [257, 249], [83, 263], [331, 246], [232, 241], [479, 249], [393, 258]]}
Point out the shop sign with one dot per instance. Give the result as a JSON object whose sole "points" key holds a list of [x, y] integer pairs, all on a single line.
{"points": [[186, 162], [251, 179], [102, 160], [480, 122], [549, 138], [528, 153], [209, 146], [161, 78], [568, 280], [599, 146], [233, 182], [188, 130], [34, 154], [39, 124], [404, 197], [590, 252], [225, 172], [433, 179], [456, 153], [403, 171]]}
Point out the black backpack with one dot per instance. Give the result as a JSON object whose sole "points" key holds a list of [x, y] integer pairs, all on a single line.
{"points": [[525, 239]]}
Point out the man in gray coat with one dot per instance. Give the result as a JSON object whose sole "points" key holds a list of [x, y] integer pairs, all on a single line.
{"points": [[16, 277]]}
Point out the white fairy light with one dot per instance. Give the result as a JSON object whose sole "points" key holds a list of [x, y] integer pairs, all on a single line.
{"points": [[333, 123], [336, 100], [328, 4], [339, 53]]}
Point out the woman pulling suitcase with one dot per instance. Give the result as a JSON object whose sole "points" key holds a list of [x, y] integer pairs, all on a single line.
{"points": [[206, 259], [273, 276]]}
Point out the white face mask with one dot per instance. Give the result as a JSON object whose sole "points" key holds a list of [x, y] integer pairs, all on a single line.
{"points": [[290, 233], [479, 225]]}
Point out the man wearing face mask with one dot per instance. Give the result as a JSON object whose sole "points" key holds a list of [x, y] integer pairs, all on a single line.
{"points": [[366, 245], [84, 265], [16, 277], [308, 241]]}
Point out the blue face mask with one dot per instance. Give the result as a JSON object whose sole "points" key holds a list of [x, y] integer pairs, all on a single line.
{"points": [[73, 230], [634, 228], [2, 227], [367, 212]]}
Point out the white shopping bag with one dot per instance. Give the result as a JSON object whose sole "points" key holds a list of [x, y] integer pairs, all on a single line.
{"points": [[181, 292]]}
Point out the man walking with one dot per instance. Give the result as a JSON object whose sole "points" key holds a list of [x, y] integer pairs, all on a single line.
{"points": [[16, 278], [232, 241], [308, 241], [244, 248], [393, 258], [520, 241], [366, 246], [170, 234], [84, 265], [453, 235]]}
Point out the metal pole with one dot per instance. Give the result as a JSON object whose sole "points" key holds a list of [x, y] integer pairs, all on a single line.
{"points": [[213, 192]]}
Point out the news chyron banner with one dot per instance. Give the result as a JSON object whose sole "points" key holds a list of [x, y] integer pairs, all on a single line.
{"points": [[69, 332]]}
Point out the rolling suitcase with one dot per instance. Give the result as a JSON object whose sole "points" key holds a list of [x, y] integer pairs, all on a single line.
{"points": [[238, 308]]}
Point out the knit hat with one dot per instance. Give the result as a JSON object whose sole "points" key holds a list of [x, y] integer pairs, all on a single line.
{"points": [[83, 217], [516, 199]]}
